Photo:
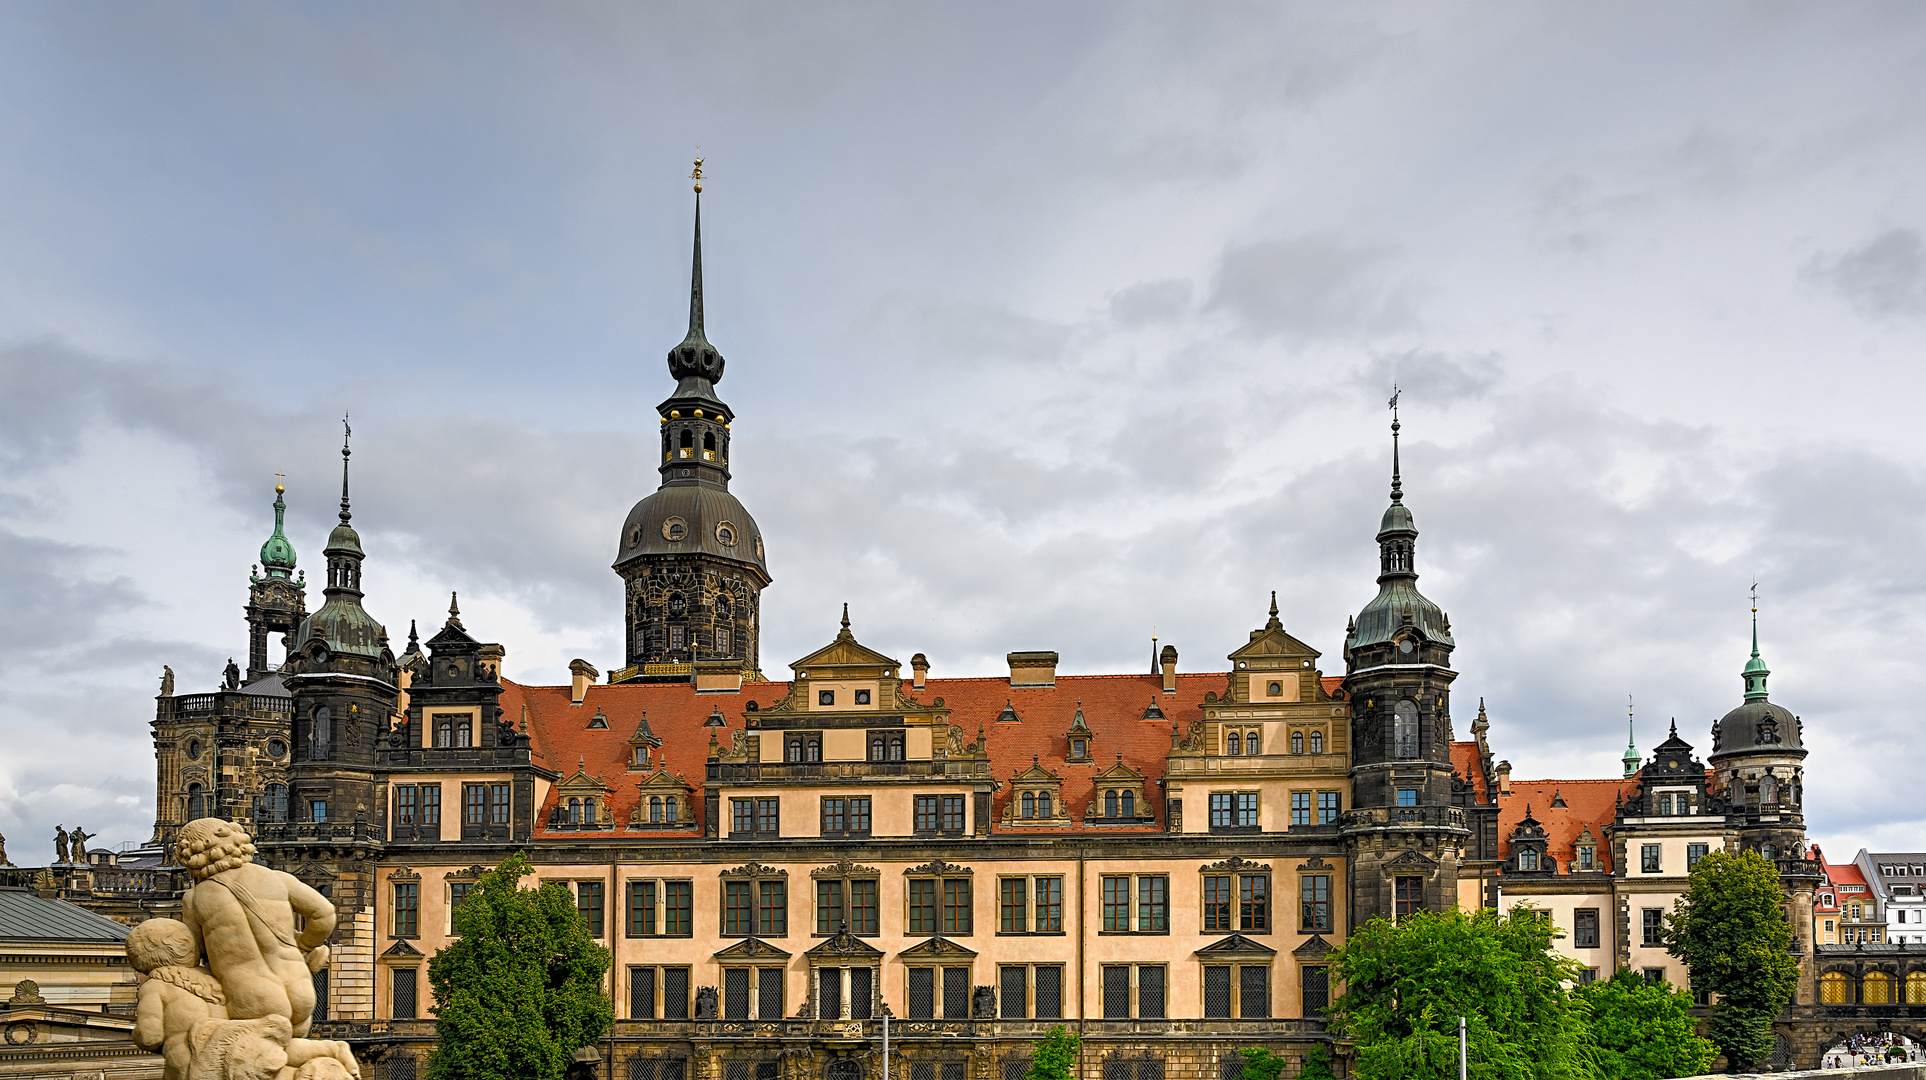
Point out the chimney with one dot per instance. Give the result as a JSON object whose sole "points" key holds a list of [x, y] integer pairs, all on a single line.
{"points": [[919, 671], [1504, 778], [581, 674], [1168, 660], [1033, 668]]}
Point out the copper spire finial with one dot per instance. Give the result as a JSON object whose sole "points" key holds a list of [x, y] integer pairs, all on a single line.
{"points": [[1397, 484], [346, 433]]}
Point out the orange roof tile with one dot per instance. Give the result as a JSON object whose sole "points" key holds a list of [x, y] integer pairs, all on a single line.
{"points": [[1588, 803]]}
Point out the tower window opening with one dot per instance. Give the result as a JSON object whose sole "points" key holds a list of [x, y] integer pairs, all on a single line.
{"points": [[709, 442], [688, 440]]}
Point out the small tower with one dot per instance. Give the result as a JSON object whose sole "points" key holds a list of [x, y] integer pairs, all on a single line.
{"points": [[1758, 755], [1631, 758], [689, 555], [276, 598]]}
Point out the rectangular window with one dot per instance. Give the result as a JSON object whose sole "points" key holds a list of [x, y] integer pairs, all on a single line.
{"points": [[859, 816], [1217, 903], [474, 799], [926, 813], [956, 907], [431, 804], [677, 636], [1253, 992], [1116, 903], [1314, 890], [1049, 991], [321, 995], [1317, 991], [862, 907], [757, 818], [722, 640], [769, 993], [498, 804], [1153, 904], [860, 996], [407, 909], [1049, 905], [742, 816], [641, 993], [922, 907], [922, 993], [1588, 976], [1300, 808], [1220, 809], [457, 892], [835, 817], [641, 908], [1585, 928], [1327, 807], [1116, 993], [738, 910], [675, 993], [588, 901], [829, 906], [1013, 907], [1150, 993], [404, 998], [1693, 853], [1217, 993], [1655, 975], [1407, 796], [1254, 902], [1651, 920], [953, 813], [678, 908], [1648, 860], [956, 993], [406, 809], [1407, 894], [772, 908], [1246, 809], [735, 993], [1013, 992], [829, 993]]}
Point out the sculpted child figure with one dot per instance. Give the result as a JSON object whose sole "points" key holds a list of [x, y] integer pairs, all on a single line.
{"points": [[177, 993]]}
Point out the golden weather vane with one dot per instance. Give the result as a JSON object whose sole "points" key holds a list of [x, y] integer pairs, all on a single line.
{"points": [[697, 174]]}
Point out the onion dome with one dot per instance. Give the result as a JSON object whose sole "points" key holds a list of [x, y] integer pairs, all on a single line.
{"points": [[1398, 603], [277, 555]]}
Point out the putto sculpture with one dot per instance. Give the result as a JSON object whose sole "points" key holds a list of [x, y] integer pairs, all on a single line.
{"points": [[229, 988]]}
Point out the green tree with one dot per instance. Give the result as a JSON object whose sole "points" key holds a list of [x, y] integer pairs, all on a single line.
{"points": [[1407, 984], [1732, 933], [521, 989], [1317, 1064], [1644, 1031], [1260, 1064], [1054, 1057]]}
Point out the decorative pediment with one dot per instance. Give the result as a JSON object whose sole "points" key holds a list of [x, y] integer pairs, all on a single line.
{"points": [[939, 868], [402, 873], [1412, 857], [643, 736], [1079, 728], [581, 783], [472, 873], [845, 869], [402, 948], [1237, 864], [754, 870], [843, 947], [1036, 774], [662, 782], [1118, 774], [751, 949], [1315, 949], [937, 948], [845, 652], [1316, 863], [1528, 828], [1236, 945], [1273, 643], [313, 873]]}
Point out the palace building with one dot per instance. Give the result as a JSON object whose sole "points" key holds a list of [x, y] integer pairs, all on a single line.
{"points": [[1161, 860]]}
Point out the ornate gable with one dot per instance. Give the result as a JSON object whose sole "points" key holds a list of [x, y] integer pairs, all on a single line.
{"points": [[663, 801], [1120, 796], [751, 949], [842, 948], [937, 948], [1036, 798], [1235, 946], [938, 868], [845, 869], [1315, 949]]}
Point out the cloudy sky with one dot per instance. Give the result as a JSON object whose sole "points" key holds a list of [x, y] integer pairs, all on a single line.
{"points": [[1048, 325]]}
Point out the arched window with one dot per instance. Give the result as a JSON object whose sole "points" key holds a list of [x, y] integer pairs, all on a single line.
{"points": [[876, 752], [896, 748], [1110, 801], [794, 749], [274, 803], [1250, 742], [1128, 804], [588, 811], [1404, 728], [1768, 788], [1528, 858], [709, 442], [196, 802], [813, 748], [678, 607], [1235, 744], [1768, 852], [575, 811], [320, 734], [688, 440], [669, 811], [1835, 989], [1029, 804], [1916, 988], [1317, 742], [1297, 742], [722, 607], [655, 809], [1665, 806], [1876, 988], [1043, 804]]}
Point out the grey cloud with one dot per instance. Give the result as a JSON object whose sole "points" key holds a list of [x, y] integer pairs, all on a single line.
{"points": [[1313, 286], [1883, 278], [1431, 377], [1150, 302], [52, 602]]}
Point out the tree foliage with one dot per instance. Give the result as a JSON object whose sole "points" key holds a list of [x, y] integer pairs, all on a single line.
{"points": [[1731, 931], [1644, 1031], [1407, 984], [521, 989], [1317, 1064], [1054, 1057], [1260, 1064]]}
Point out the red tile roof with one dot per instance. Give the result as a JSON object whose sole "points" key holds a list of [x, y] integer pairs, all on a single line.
{"points": [[1113, 708], [1464, 762], [1592, 803], [1844, 874]]}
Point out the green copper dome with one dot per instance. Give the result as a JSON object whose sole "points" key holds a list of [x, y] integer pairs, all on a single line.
{"points": [[277, 555]]}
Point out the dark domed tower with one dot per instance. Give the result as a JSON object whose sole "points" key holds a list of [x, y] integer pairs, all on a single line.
{"points": [[346, 688], [1757, 759], [276, 599], [690, 555], [1404, 835]]}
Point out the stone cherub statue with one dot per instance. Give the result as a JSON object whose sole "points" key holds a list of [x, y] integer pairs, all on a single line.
{"points": [[230, 987], [4, 861]]}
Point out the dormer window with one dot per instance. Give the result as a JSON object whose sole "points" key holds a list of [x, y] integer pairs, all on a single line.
{"points": [[1665, 806], [1528, 858], [1588, 858], [1079, 751], [599, 721]]}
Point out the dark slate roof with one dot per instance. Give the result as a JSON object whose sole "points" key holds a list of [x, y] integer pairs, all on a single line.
{"points": [[24, 916]]}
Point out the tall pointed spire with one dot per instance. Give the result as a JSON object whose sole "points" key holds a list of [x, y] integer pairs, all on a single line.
{"points": [[1632, 756], [346, 433], [1397, 482], [695, 364], [1156, 667], [1755, 669], [695, 263]]}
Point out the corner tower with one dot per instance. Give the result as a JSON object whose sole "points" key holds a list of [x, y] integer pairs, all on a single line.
{"points": [[276, 598], [1404, 836], [1758, 765], [690, 556]]}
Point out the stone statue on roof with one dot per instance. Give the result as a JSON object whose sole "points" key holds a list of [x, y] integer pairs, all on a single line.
{"points": [[167, 681], [60, 845], [79, 839]]}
